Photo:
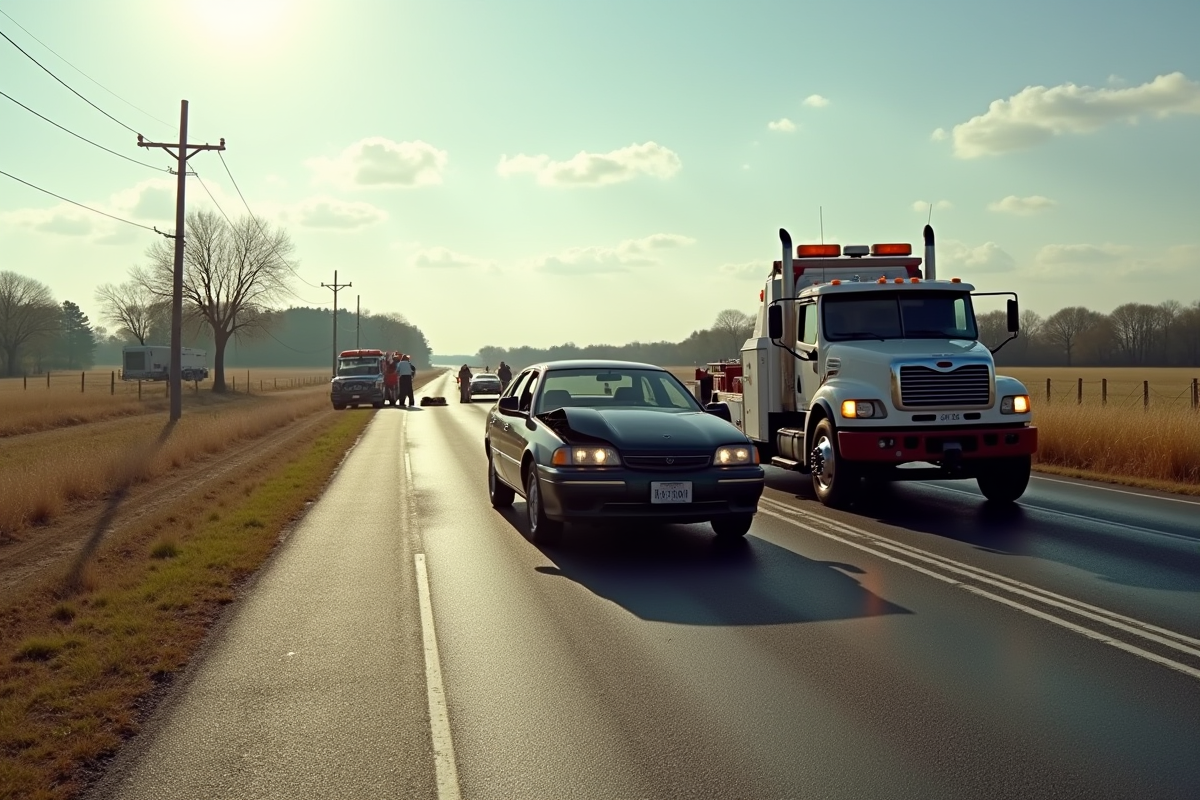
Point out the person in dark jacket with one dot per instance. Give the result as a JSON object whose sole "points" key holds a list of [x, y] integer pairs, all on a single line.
{"points": [[464, 384], [505, 375]]}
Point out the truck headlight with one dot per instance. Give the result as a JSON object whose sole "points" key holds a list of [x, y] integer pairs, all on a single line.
{"points": [[863, 409], [585, 456], [1015, 404], [734, 455]]}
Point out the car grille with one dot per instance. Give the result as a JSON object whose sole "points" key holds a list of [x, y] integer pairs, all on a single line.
{"points": [[922, 387], [666, 462]]}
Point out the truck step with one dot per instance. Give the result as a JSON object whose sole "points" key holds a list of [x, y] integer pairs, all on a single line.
{"points": [[785, 463]]}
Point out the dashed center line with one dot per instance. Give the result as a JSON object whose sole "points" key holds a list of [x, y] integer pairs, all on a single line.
{"points": [[439, 717]]}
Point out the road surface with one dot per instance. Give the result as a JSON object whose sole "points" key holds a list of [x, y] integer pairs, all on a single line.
{"points": [[409, 641]]}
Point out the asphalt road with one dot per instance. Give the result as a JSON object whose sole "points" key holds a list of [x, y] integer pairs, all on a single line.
{"points": [[408, 641]]}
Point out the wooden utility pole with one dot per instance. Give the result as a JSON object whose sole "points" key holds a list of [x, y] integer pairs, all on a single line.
{"points": [[335, 286], [182, 152], [357, 320]]}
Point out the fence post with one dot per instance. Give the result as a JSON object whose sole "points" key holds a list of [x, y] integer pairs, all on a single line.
{"points": [[1047, 390], [1195, 393], [1104, 391], [1146, 394], [82, 378], [233, 389], [25, 381], [139, 390], [1080, 392], [277, 383], [247, 381], [112, 382], [47, 379]]}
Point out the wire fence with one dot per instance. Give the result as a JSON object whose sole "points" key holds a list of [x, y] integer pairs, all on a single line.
{"points": [[1120, 393], [109, 382]]}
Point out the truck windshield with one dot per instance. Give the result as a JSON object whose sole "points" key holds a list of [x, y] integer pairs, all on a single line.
{"points": [[899, 315], [358, 366]]}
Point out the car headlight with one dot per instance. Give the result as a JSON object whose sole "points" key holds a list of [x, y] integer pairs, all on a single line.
{"points": [[863, 409], [585, 456], [733, 455], [1015, 404]]}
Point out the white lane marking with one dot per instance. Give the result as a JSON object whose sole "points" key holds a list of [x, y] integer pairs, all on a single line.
{"points": [[408, 469], [1136, 627], [1120, 491], [1087, 632], [1084, 517], [439, 717]]}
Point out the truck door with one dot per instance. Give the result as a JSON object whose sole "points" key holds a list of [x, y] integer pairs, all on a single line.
{"points": [[808, 370]]}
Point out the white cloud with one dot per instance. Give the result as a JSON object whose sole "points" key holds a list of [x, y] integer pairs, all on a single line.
{"points": [[1022, 206], [595, 169], [923, 206], [938, 135], [63, 219], [629, 253], [816, 101], [1037, 113], [376, 161], [955, 257], [746, 268], [445, 258], [1082, 253], [784, 125], [329, 212]]}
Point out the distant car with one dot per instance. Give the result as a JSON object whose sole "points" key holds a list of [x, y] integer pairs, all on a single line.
{"points": [[617, 440], [485, 383]]}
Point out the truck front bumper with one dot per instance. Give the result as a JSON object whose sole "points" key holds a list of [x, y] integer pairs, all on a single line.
{"points": [[899, 446]]}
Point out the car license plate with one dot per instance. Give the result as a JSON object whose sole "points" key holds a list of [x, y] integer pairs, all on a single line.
{"points": [[670, 491], [353, 397]]}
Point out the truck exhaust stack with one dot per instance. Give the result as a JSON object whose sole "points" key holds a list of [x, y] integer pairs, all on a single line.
{"points": [[787, 384], [930, 272]]}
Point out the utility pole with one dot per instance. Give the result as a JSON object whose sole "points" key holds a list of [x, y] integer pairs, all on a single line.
{"points": [[182, 155], [335, 286], [357, 319]]}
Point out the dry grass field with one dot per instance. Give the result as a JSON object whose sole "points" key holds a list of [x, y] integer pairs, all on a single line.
{"points": [[1153, 446]]}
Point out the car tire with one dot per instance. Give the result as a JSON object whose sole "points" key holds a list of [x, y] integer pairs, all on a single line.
{"points": [[339, 406], [377, 405], [1005, 479], [732, 526], [834, 479], [499, 493], [542, 529]]}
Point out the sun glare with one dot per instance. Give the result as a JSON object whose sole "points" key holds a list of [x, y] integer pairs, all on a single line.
{"points": [[243, 20]]}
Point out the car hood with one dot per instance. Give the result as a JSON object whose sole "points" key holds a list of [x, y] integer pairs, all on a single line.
{"points": [[639, 429]]}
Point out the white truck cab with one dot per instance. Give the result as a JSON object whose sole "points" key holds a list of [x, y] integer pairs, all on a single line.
{"points": [[861, 366]]}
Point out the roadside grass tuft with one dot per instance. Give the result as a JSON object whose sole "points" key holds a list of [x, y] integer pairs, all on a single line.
{"points": [[164, 548], [70, 696]]}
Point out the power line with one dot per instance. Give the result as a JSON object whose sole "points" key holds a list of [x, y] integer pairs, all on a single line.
{"points": [[72, 202], [81, 72], [84, 138], [64, 83], [214, 200]]}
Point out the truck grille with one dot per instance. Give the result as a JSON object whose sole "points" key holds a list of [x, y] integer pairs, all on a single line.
{"points": [[666, 462], [922, 387]]}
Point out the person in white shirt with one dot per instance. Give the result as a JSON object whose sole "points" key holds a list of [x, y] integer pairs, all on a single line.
{"points": [[406, 371]]}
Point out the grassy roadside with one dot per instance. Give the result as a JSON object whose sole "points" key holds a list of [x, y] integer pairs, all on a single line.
{"points": [[79, 654]]}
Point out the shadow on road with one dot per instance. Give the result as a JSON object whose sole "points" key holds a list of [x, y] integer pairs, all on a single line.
{"points": [[684, 574]]}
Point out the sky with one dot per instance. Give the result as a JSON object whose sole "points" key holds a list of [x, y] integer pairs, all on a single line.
{"points": [[535, 172]]}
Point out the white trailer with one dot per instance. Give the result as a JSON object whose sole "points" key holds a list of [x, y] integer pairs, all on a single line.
{"points": [[152, 362], [862, 367]]}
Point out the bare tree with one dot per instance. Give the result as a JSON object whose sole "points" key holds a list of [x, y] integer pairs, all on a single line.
{"points": [[1064, 327], [28, 314], [232, 275], [132, 307], [733, 328]]}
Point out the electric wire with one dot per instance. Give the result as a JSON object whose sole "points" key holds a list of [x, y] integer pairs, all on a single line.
{"points": [[84, 138], [81, 205], [81, 72], [64, 83]]}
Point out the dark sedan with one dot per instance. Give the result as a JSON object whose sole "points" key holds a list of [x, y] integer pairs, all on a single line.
{"points": [[614, 440], [484, 383]]}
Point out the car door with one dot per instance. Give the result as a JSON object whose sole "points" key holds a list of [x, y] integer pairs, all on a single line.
{"points": [[808, 374], [503, 431]]}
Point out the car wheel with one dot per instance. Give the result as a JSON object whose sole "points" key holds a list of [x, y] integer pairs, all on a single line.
{"points": [[732, 526], [542, 529], [339, 406], [834, 479], [377, 405], [499, 493], [1005, 479]]}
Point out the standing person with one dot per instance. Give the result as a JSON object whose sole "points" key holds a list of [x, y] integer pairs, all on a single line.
{"points": [[505, 375], [406, 371], [391, 380], [464, 384]]}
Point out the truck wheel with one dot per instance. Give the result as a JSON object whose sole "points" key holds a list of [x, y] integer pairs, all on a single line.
{"points": [[834, 479], [542, 529], [732, 527], [1004, 479], [499, 493]]}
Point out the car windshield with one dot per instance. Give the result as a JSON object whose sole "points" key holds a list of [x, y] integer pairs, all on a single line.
{"points": [[899, 315], [602, 387], [350, 367]]}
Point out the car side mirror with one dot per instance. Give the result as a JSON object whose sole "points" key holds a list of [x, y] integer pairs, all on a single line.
{"points": [[509, 405], [719, 410], [1014, 317], [775, 321]]}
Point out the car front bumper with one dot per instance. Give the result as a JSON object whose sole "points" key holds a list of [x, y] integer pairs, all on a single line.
{"points": [[582, 496], [897, 445], [362, 396]]}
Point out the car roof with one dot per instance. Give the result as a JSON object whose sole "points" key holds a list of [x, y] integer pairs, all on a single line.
{"points": [[594, 363], [485, 375]]}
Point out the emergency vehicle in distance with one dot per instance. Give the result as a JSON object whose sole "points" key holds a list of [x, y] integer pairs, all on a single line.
{"points": [[860, 366], [359, 379], [152, 362]]}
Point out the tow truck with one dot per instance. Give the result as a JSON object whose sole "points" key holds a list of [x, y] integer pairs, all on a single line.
{"points": [[861, 366], [359, 379]]}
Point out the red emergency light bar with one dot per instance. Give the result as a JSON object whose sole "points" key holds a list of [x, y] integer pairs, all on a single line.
{"points": [[818, 250], [360, 353], [891, 249]]}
